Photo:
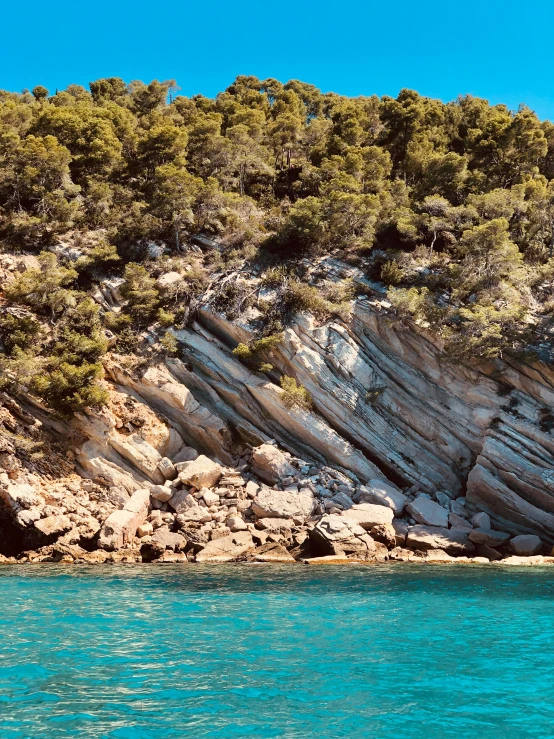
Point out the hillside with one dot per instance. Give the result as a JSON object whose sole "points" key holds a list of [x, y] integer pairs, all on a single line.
{"points": [[366, 283]]}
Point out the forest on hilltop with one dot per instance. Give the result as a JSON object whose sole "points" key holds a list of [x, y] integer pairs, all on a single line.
{"points": [[450, 205]]}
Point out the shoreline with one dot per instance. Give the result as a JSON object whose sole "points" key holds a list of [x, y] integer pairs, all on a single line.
{"points": [[331, 561]]}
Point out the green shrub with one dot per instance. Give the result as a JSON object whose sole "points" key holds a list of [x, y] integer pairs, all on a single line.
{"points": [[295, 395]]}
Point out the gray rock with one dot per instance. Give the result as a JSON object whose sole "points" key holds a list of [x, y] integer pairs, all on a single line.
{"points": [[195, 513], [201, 473], [270, 464], [280, 504], [481, 521], [427, 512], [236, 523], [443, 500], [526, 545], [458, 507], [210, 498], [337, 534], [457, 522], [169, 539], [53, 525], [272, 552], [182, 500], [185, 454], [120, 526], [342, 500], [368, 515], [488, 537], [452, 541], [383, 493], [401, 531], [226, 548], [161, 493], [167, 468]]}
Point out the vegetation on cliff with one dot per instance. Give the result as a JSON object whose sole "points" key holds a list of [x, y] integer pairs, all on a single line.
{"points": [[451, 206]]}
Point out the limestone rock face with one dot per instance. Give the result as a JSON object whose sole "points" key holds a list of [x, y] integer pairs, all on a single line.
{"points": [[120, 526], [270, 464], [451, 541], [283, 504], [390, 414], [227, 548], [427, 512], [368, 515], [201, 473]]}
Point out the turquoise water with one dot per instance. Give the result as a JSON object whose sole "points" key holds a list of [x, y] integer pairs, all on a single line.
{"points": [[263, 651]]}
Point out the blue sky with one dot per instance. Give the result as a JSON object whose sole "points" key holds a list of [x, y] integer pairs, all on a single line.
{"points": [[497, 49]]}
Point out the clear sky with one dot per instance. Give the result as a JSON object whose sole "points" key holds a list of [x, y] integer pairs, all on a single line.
{"points": [[498, 49]]}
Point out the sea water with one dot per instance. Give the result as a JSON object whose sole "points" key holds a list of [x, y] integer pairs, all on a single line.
{"points": [[148, 652]]}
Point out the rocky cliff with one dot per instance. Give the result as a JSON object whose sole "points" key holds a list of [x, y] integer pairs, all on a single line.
{"points": [[388, 409]]}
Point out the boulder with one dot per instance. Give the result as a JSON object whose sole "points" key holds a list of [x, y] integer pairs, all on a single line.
{"points": [[120, 527], [182, 500], [185, 454], [270, 464], [53, 525], [368, 515], [140, 454], [383, 493], [452, 541], [384, 533], [458, 506], [481, 521], [341, 500], [457, 522], [161, 493], [145, 529], [282, 526], [482, 550], [401, 531], [236, 523], [195, 513], [282, 504], [210, 498], [252, 489], [488, 537], [168, 280], [166, 467], [26, 517], [334, 534], [201, 473], [272, 552], [525, 545], [427, 512], [169, 539], [20, 495], [226, 548]]}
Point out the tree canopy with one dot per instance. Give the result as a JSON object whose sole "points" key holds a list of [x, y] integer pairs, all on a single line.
{"points": [[450, 204]]}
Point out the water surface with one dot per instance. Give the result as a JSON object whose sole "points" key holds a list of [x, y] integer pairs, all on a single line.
{"points": [[297, 652]]}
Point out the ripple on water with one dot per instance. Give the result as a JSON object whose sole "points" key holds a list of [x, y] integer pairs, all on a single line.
{"points": [[294, 652]]}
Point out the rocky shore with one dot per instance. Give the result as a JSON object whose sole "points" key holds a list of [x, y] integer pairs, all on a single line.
{"points": [[402, 456], [270, 507]]}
